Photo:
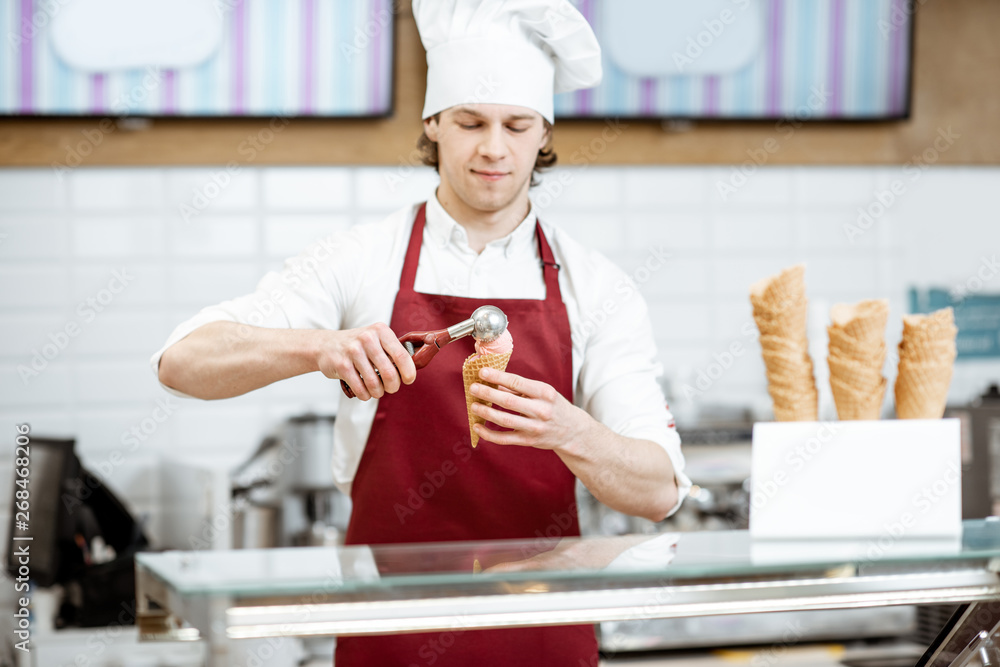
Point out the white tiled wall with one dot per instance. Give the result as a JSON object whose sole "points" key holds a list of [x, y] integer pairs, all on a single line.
{"points": [[63, 238]]}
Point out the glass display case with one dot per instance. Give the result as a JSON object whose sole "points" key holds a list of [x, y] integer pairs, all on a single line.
{"points": [[224, 596]]}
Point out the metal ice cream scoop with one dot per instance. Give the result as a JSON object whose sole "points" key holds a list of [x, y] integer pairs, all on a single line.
{"points": [[486, 324]]}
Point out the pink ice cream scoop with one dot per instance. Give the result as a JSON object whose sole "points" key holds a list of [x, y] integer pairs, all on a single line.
{"points": [[502, 344]]}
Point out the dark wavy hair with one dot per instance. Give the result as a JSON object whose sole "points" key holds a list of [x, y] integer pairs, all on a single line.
{"points": [[546, 156]]}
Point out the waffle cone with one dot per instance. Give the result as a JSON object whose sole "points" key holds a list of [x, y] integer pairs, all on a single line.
{"points": [[782, 343], [845, 345], [922, 390], [857, 404], [790, 327], [792, 388], [927, 354], [470, 375], [921, 401], [778, 293], [924, 373], [856, 372], [864, 321], [941, 351], [786, 362], [858, 388], [794, 403], [939, 324], [780, 310]]}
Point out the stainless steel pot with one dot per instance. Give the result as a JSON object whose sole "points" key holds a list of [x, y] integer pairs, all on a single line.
{"points": [[310, 439], [256, 527]]}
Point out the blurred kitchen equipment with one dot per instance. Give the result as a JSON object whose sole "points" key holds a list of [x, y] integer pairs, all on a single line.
{"points": [[980, 454], [255, 526], [486, 324], [285, 494]]}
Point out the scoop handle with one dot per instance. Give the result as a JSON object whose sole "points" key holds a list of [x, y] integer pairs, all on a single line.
{"points": [[421, 345]]}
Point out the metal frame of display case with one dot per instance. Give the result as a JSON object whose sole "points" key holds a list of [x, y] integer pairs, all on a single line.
{"points": [[419, 602]]}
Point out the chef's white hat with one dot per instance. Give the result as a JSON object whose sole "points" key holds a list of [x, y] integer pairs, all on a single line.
{"points": [[517, 52]]}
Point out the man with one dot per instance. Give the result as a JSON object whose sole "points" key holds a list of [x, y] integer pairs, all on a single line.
{"points": [[579, 398]]}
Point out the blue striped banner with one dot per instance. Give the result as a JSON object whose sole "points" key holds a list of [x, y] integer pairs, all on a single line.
{"points": [[817, 58], [277, 57]]}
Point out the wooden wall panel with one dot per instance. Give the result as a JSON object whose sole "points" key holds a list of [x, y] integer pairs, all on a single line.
{"points": [[957, 86]]}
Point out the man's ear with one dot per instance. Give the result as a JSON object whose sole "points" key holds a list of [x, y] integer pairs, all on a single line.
{"points": [[546, 135], [431, 127]]}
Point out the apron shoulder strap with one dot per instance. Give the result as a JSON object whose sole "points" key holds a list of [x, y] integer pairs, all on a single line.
{"points": [[409, 274], [550, 270]]}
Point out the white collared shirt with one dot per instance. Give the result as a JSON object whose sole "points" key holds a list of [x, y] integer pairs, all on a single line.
{"points": [[350, 279]]}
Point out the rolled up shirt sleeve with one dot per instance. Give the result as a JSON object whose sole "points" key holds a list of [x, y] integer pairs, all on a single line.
{"points": [[618, 382], [312, 291]]}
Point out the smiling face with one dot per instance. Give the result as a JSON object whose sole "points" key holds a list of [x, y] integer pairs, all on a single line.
{"points": [[486, 154]]}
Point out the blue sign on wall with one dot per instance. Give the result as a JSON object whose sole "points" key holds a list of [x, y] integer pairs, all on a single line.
{"points": [[977, 317]]}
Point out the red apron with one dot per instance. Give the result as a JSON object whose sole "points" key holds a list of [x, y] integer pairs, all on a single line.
{"points": [[420, 480]]}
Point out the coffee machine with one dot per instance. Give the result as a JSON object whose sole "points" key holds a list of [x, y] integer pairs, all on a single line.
{"points": [[285, 494]]}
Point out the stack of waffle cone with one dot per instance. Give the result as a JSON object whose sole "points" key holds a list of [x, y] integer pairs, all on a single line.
{"points": [[856, 357], [926, 356], [780, 310], [470, 374]]}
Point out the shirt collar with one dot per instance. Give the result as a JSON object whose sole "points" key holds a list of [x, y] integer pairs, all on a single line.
{"points": [[444, 230]]}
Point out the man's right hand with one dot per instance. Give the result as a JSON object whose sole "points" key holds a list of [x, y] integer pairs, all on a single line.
{"points": [[226, 359], [353, 355]]}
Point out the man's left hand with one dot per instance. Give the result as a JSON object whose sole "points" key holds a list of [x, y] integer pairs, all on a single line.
{"points": [[543, 419]]}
